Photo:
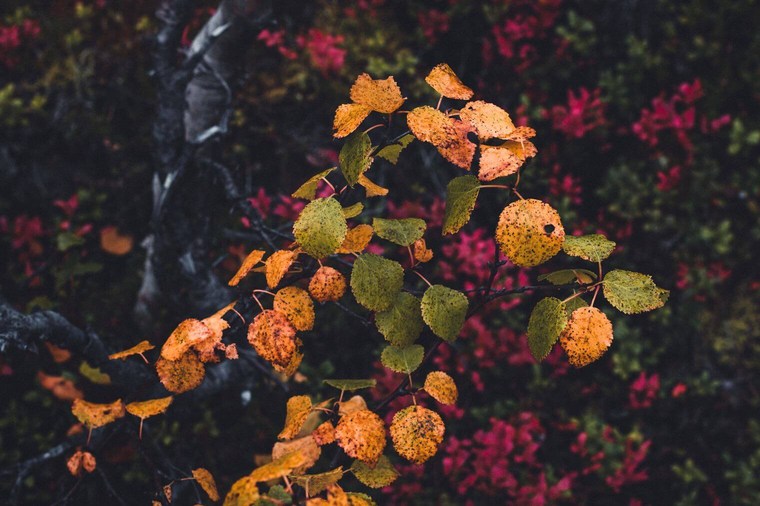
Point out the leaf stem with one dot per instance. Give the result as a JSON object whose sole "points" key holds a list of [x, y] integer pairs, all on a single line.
{"points": [[423, 278]]}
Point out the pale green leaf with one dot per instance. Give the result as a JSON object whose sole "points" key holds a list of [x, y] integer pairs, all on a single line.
{"points": [[353, 210], [444, 310], [593, 247], [403, 232], [401, 324], [317, 483], [574, 304], [633, 292], [567, 276], [392, 151], [375, 281], [382, 475], [321, 227], [405, 359], [354, 157], [461, 194], [547, 321], [308, 190], [351, 384]]}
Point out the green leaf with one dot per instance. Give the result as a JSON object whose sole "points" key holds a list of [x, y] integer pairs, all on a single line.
{"points": [[444, 311], [401, 324], [354, 157], [66, 240], [360, 499], [403, 232], [382, 475], [392, 151], [353, 210], [461, 194], [574, 304], [594, 247], [547, 321], [375, 281], [317, 483], [278, 493], [351, 384], [405, 359], [308, 190], [321, 227], [633, 292], [567, 276]]}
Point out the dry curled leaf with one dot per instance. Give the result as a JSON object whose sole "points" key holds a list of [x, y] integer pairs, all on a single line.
{"points": [[421, 252], [416, 433], [380, 95], [348, 117], [231, 352], [357, 239], [324, 434], [296, 305], [298, 409], [81, 461], [361, 435], [187, 334], [250, 261], [587, 336], [95, 415], [371, 188], [447, 134], [443, 80], [181, 375], [529, 232], [277, 266], [137, 349], [207, 483], [441, 387], [273, 337], [327, 284], [306, 446]]}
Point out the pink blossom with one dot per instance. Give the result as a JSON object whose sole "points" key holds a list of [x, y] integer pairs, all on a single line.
{"points": [[323, 50], [668, 180], [433, 23], [643, 391], [678, 390], [583, 113]]}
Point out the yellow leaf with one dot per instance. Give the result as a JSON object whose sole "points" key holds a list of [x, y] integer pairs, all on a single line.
{"points": [[185, 336], [347, 118], [298, 409], [206, 348], [421, 251], [443, 80], [60, 355], [489, 121], [277, 266], [380, 95], [181, 375], [97, 415], [529, 232], [361, 435], [352, 405], [146, 409], [324, 434], [314, 484], [278, 468], [371, 188], [296, 305], [244, 492], [448, 135], [587, 336], [416, 433], [250, 261], [273, 337], [304, 445], [441, 387], [111, 241], [294, 363], [137, 349], [356, 239], [94, 374], [500, 161], [327, 284], [207, 483]]}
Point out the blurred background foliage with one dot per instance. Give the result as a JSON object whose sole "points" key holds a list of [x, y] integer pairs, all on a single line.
{"points": [[648, 121]]}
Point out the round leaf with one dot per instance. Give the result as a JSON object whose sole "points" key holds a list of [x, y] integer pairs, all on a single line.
{"points": [[416, 433], [441, 387], [448, 135], [321, 227], [327, 284], [587, 336], [382, 475], [182, 375], [403, 232], [375, 281], [444, 310], [273, 337], [594, 247], [361, 435], [632, 292], [529, 232], [401, 323], [296, 305], [348, 117], [405, 359], [547, 321]]}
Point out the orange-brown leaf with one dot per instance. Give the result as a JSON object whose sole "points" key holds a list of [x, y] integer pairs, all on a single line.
{"points": [[181, 375], [324, 434], [273, 337], [380, 95], [206, 348], [306, 446], [61, 387], [487, 120], [187, 334], [60, 355], [443, 80], [146, 409], [111, 241], [278, 468], [231, 352], [137, 349], [207, 483], [298, 409], [499, 161], [416, 433], [97, 415], [296, 305], [529, 232], [348, 117], [587, 335], [81, 461], [327, 284], [277, 266], [361, 435], [421, 251], [250, 261], [448, 135], [441, 387], [371, 188], [357, 239]]}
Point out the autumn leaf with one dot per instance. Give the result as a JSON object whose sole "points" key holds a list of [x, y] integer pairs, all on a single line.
{"points": [[421, 252], [296, 305], [448, 135], [632, 292], [188, 333], [379, 476], [566, 276], [279, 467], [137, 349], [353, 210], [404, 231], [392, 151], [206, 348], [371, 188], [348, 117], [487, 120], [403, 359], [277, 266], [273, 337], [357, 239], [593, 247], [380, 95], [298, 409], [461, 194], [181, 375], [351, 385], [547, 321], [401, 324], [61, 387], [354, 158], [529, 232], [315, 484], [111, 241], [321, 227], [244, 492], [375, 281], [352, 405], [81, 461], [441, 387], [94, 374], [504, 159], [324, 434], [416, 433], [95, 415], [443, 80], [327, 284], [361, 435], [146, 409], [444, 311], [207, 483], [253, 258], [306, 446], [60, 355], [587, 336], [308, 190]]}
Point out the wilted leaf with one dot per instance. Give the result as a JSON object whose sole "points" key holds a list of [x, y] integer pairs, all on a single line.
{"points": [[391, 152], [250, 261], [81, 461], [356, 239], [207, 483], [217, 325], [361, 435], [111, 241], [146, 409], [404, 359], [273, 337], [306, 446], [401, 323], [375, 281], [137, 349], [317, 483], [403, 232], [277, 266], [567, 276], [94, 374], [308, 190], [371, 188], [244, 492], [351, 384], [327, 284], [324, 434], [185, 336], [594, 247], [503, 160], [547, 321], [95, 415], [321, 227], [529, 232], [441, 387], [461, 194], [421, 252], [348, 117], [380, 95], [416, 433], [298, 409], [296, 305], [354, 158], [379, 476], [353, 210], [355, 403], [231, 352], [448, 135], [444, 310], [443, 80], [181, 375], [633, 292], [587, 336]]}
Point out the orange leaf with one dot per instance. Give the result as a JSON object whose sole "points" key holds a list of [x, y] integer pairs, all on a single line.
{"points": [[277, 266], [278, 468], [529, 232], [324, 434], [443, 80], [244, 492], [152, 407], [298, 409], [187, 334], [137, 349], [97, 415], [357, 238], [296, 305], [81, 461], [587, 336], [441, 387], [499, 161], [306, 446], [371, 188], [252, 259], [181, 375], [421, 251], [489, 121], [448, 135], [354, 404], [294, 363], [62, 388], [207, 483], [361, 435], [114, 243], [327, 284], [273, 337], [60, 355], [416, 433], [230, 352], [348, 117], [381, 95], [206, 348]]}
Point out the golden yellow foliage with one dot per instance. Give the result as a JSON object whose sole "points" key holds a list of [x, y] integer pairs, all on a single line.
{"points": [[443, 80], [277, 266], [529, 232], [273, 337], [447, 134], [137, 349], [327, 284], [441, 387], [97, 415], [207, 483], [361, 435], [298, 409], [250, 261], [380, 95], [587, 336], [296, 305], [357, 239], [181, 375], [416, 433]]}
